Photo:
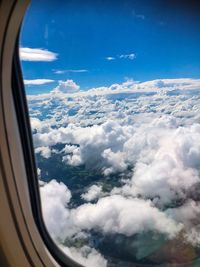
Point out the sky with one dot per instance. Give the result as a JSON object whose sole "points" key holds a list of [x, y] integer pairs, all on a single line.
{"points": [[99, 43]]}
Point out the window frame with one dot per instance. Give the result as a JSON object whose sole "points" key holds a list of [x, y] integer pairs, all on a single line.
{"points": [[18, 175], [27, 242], [22, 115]]}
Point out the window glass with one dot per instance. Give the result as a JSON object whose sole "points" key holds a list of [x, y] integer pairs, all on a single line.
{"points": [[114, 103]]}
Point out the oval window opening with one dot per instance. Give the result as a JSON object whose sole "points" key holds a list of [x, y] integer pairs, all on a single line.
{"points": [[114, 101]]}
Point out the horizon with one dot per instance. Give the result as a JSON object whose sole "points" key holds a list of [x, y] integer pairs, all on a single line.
{"points": [[86, 44]]}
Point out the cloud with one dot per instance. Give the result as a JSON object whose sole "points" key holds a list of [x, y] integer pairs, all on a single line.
{"points": [[117, 214], [159, 86], [72, 71], [143, 135], [123, 56], [86, 256], [44, 151], [39, 173], [68, 86], [36, 54], [93, 193], [128, 56], [111, 214], [154, 148], [37, 81], [55, 198], [110, 58], [38, 125]]}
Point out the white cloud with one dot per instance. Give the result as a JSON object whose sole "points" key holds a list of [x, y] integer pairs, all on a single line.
{"points": [[111, 214], [38, 81], [147, 134], [123, 56], [159, 86], [152, 148], [86, 256], [39, 125], [55, 198], [110, 58], [72, 71], [68, 86], [44, 151], [128, 56], [117, 214], [39, 172], [93, 193], [35, 123], [36, 54]]}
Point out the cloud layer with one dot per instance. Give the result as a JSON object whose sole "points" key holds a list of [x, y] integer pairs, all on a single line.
{"points": [[146, 134]]}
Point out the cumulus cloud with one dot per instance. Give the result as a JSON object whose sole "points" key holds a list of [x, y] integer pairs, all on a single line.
{"points": [[93, 193], [111, 214], [44, 151], [40, 126], [145, 135], [38, 81], [162, 167], [86, 256], [55, 198], [36, 54], [117, 214], [35, 123], [68, 86], [159, 86]]}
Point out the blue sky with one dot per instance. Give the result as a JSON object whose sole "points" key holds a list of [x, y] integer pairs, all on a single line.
{"points": [[145, 39]]}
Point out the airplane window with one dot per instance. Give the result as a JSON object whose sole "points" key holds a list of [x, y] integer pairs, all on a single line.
{"points": [[113, 90]]}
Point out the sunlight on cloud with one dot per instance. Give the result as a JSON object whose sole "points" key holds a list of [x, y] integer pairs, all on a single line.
{"points": [[36, 54]]}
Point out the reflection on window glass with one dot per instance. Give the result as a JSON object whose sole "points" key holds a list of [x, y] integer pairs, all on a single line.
{"points": [[113, 91]]}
